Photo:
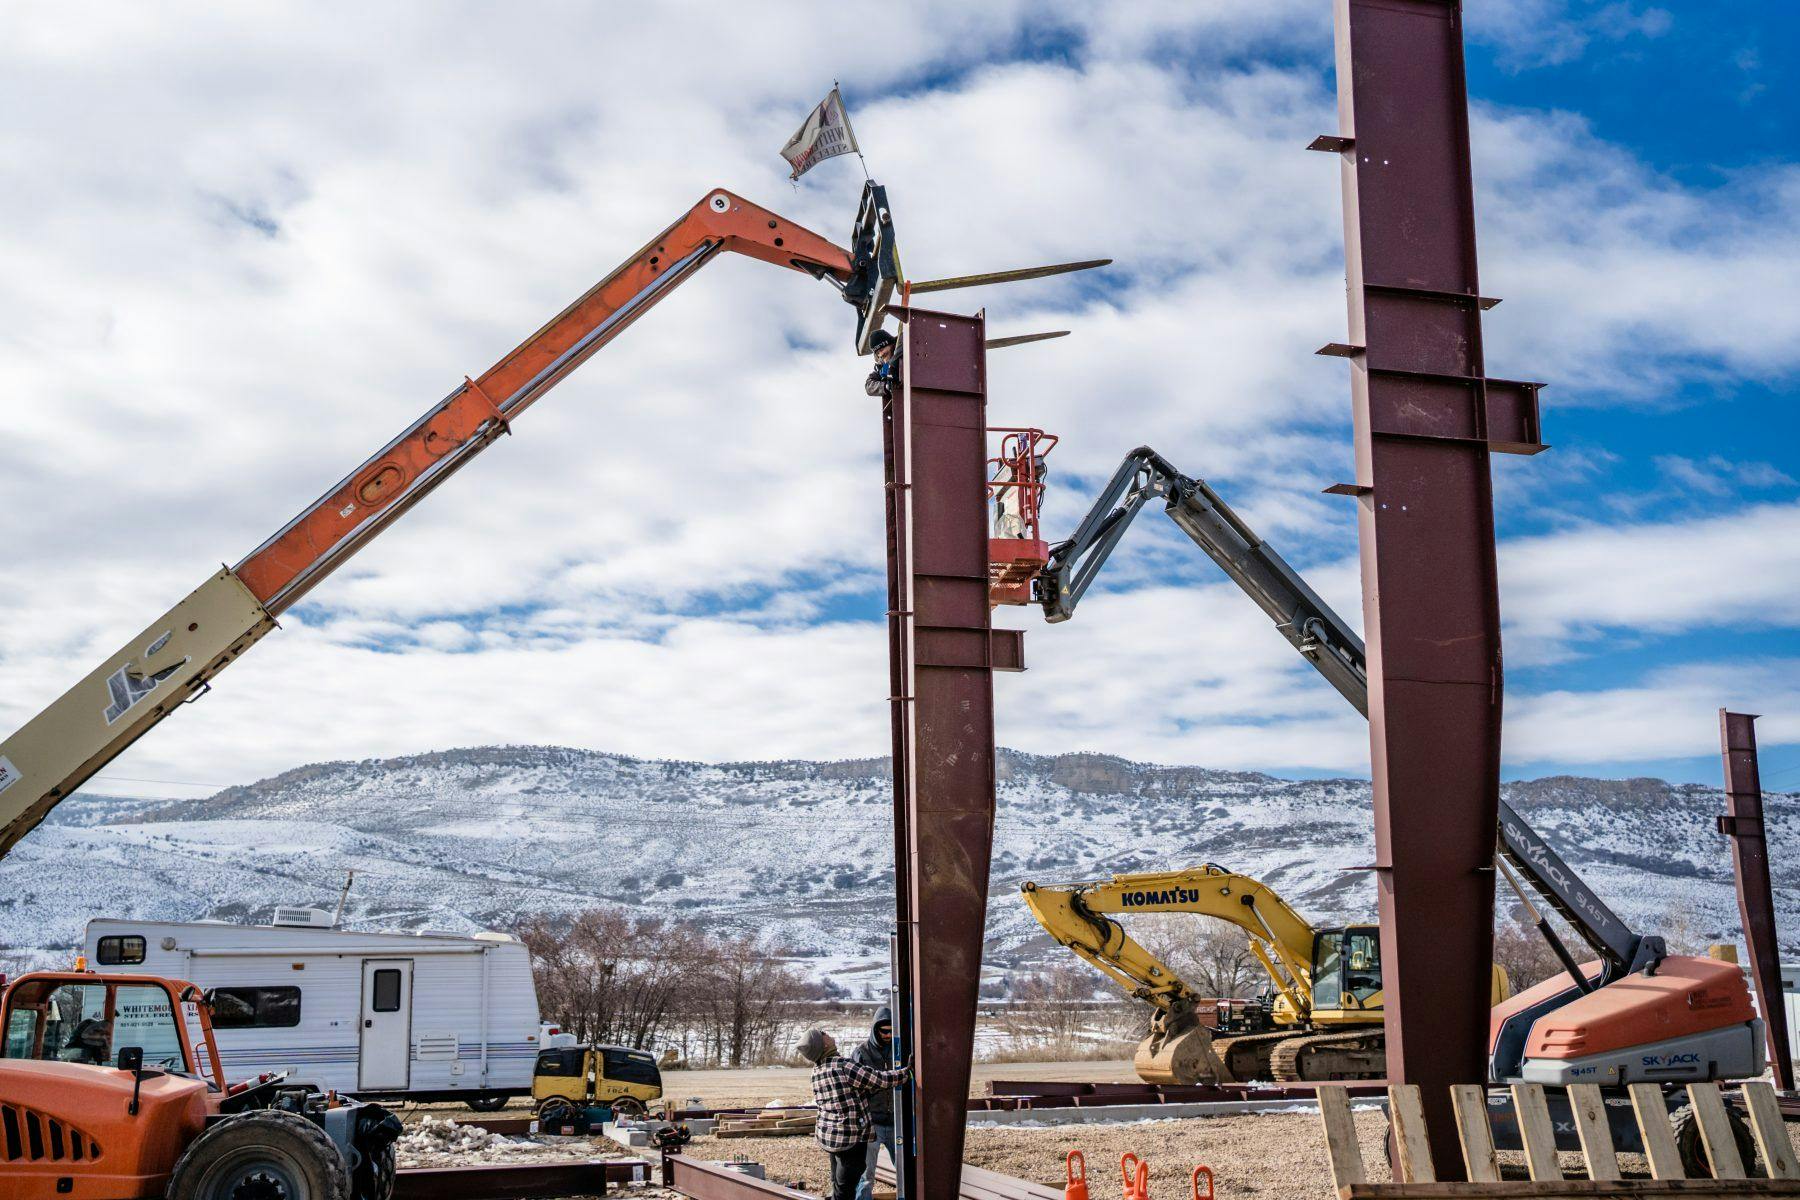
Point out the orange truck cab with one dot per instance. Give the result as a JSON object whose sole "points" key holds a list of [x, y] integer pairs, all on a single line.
{"points": [[110, 1089]]}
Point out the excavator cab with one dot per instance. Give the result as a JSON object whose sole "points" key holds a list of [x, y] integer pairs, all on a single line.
{"points": [[1346, 974]]}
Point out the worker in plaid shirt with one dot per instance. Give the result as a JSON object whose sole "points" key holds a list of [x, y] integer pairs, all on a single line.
{"points": [[841, 1089]]}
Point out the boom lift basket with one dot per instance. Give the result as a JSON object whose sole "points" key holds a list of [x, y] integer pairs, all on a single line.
{"points": [[1017, 551]]}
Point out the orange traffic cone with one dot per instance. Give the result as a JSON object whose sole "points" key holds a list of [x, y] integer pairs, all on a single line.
{"points": [[1205, 1170], [1077, 1188], [1136, 1174]]}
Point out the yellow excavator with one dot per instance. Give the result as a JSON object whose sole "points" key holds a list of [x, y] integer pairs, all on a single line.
{"points": [[1320, 1020]]}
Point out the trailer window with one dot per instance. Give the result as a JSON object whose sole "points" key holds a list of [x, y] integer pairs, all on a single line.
{"points": [[255, 1007], [387, 990], [120, 950]]}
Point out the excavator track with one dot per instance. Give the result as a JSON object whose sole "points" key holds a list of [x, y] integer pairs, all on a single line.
{"points": [[1326, 1057], [1246, 1056]]}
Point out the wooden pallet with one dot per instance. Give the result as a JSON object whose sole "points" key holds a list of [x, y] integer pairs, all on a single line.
{"points": [[1417, 1175], [784, 1125]]}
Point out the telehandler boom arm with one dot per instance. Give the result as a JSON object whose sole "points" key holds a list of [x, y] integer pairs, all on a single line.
{"points": [[171, 662]]}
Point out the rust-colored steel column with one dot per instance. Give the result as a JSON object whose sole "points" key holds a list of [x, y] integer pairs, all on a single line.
{"points": [[1743, 824], [942, 655], [1426, 418]]}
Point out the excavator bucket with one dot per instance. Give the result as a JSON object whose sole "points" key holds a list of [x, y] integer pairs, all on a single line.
{"points": [[1183, 1057]]}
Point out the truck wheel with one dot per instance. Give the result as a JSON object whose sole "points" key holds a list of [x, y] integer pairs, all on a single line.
{"points": [[629, 1107], [487, 1102], [375, 1177], [556, 1111], [1693, 1148], [263, 1155]]}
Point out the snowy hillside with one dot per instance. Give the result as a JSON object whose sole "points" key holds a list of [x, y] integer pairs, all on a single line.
{"points": [[801, 850]]}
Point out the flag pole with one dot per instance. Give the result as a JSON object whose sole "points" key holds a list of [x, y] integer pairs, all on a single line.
{"points": [[851, 130]]}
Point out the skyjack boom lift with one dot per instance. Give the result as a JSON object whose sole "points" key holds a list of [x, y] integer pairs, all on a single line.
{"points": [[1636, 1013]]}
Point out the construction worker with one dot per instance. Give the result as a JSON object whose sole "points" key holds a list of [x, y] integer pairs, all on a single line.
{"points": [[841, 1090], [877, 1053], [887, 364]]}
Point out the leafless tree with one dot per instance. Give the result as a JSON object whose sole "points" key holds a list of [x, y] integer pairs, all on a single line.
{"points": [[1212, 956], [605, 975]]}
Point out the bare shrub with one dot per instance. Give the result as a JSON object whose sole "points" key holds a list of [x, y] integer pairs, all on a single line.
{"points": [[608, 976], [1211, 956]]}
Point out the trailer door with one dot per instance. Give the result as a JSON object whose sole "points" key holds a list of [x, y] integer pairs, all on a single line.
{"points": [[386, 1058]]}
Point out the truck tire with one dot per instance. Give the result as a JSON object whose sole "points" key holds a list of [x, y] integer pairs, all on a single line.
{"points": [[556, 1111], [375, 1177], [1693, 1148], [487, 1102], [261, 1155], [629, 1107]]}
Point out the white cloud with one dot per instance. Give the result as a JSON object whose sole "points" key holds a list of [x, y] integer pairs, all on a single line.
{"points": [[1563, 591], [1670, 713], [244, 248]]}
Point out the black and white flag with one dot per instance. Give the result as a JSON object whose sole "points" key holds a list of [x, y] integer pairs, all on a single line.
{"points": [[826, 134]]}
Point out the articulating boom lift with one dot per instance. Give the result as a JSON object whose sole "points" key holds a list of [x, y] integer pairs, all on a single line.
{"points": [[1636, 1013]]}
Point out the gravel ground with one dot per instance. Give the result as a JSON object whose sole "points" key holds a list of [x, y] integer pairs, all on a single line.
{"points": [[1275, 1155]]}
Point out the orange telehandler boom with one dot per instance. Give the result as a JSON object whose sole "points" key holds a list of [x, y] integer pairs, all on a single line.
{"points": [[171, 662]]}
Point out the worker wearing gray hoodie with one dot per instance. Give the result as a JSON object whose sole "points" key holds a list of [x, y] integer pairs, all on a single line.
{"points": [[877, 1053]]}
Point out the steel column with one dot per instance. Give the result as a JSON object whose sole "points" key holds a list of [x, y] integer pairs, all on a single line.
{"points": [[1743, 824], [1426, 418], [941, 663]]}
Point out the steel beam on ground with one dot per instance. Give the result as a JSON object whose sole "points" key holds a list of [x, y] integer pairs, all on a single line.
{"points": [[941, 661], [715, 1181], [1426, 418], [528, 1181], [976, 1183], [1743, 824]]}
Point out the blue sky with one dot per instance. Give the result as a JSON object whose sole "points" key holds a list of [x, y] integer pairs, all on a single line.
{"points": [[241, 250]]}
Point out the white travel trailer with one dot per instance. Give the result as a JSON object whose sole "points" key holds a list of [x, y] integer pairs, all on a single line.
{"points": [[428, 1016]]}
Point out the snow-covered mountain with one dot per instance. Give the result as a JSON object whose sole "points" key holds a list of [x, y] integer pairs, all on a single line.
{"points": [[478, 838]]}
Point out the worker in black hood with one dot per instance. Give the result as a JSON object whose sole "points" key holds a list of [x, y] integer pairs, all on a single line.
{"points": [[877, 1053]]}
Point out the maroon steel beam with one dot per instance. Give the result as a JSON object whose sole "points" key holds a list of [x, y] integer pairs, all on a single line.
{"points": [[942, 656], [714, 1181], [527, 1181], [1426, 418], [1743, 824]]}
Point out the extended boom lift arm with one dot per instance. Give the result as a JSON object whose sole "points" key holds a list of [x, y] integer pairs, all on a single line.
{"points": [[171, 662], [1314, 629]]}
